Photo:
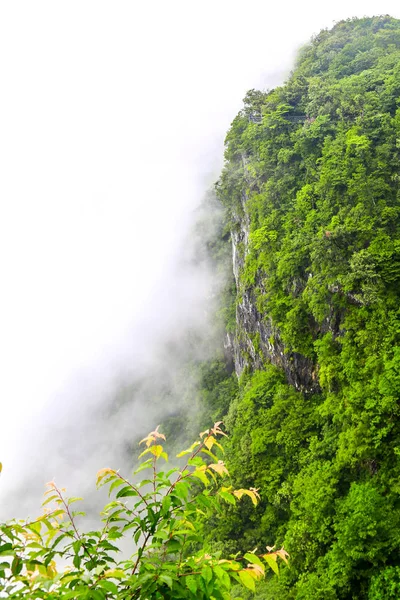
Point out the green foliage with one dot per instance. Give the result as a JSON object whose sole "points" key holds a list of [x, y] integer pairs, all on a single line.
{"points": [[385, 586], [161, 518], [313, 168], [217, 387]]}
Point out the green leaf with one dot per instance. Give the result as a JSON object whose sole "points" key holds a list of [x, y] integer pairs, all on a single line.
{"points": [[205, 501], [115, 484], [210, 454], [16, 565], [166, 504], [76, 561], [161, 534], [228, 497], [222, 576], [96, 595], [144, 482], [173, 546], [108, 585], [58, 540], [125, 492], [75, 594], [181, 490], [147, 464], [4, 548], [207, 574], [197, 461], [107, 546], [75, 499], [253, 559], [201, 475], [166, 579], [182, 532], [191, 583]]}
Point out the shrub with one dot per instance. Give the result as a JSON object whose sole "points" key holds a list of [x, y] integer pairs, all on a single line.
{"points": [[162, 516]]}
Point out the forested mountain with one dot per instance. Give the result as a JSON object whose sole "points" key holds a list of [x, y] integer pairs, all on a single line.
{"points": [[311, 190], [308, 383]]}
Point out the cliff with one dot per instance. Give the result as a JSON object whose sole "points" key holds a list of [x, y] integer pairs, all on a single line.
{"points": [[256, 338], [311, 189]]}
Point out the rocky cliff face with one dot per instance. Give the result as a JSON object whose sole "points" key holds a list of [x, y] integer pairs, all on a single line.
{"points": [[256, 339]]}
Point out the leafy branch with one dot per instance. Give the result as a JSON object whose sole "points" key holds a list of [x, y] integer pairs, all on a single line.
{"points": [[162, 515]]}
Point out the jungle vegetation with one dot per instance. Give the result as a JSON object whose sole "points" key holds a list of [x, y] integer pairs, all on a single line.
{"points": [[313, 167]]}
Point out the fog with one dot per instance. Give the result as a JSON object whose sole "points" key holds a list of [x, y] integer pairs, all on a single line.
{"points": [[112, 122]]}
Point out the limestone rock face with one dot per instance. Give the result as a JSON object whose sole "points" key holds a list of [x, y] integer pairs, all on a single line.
{"points": [[256, 340]]}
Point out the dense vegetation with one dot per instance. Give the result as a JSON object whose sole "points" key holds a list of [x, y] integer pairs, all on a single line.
{"points": [[313, 168]]}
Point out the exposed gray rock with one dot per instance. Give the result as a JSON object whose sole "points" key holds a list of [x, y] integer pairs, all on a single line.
{"points": [[257, 340]]}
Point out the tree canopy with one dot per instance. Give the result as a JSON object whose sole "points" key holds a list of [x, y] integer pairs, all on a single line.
{"points": [[316, 181]]}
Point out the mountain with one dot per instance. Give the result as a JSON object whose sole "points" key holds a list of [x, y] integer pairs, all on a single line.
{"points": [[307, 381], [312, 198]]}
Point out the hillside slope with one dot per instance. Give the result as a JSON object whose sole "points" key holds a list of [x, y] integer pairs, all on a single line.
{"points": [[311, 189]]}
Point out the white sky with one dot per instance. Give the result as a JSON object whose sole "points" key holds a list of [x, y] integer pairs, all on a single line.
{"points": [[112, 117]]}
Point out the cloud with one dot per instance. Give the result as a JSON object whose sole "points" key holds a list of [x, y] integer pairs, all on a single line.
{"points": [[112, 125]]}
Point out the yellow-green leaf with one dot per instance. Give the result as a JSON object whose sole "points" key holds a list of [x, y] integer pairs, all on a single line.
{"points": [[247, 580], [156, 450], [271, 560], [189, 450], [254, 560], [49, 499], [104, 473], [283, 555], [209, 442], [199, 473], [219, 468], [228, 497], [114, 574], [252, 494]]}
